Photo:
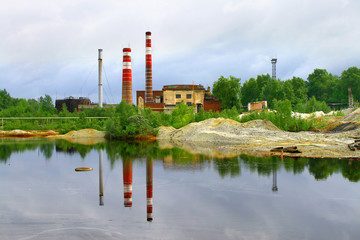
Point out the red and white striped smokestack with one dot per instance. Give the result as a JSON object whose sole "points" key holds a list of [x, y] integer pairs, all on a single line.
{"points": [[149, 189], [127, 178], [127, 77], [148, 70]]}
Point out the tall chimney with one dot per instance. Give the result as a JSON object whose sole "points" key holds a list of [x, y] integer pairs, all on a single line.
{"points": [[148, 70], [127, 77], [100, 78], [127, 178], [273, 62], [149, 189]]}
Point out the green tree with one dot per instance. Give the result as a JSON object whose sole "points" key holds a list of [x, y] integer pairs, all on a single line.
{"points": [[322, 85], [249, 91], [299, 88], [228, 90], [46, 105], [350, 78]]}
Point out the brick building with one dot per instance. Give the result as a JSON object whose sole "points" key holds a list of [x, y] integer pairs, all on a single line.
{"points": [[171, 95]]}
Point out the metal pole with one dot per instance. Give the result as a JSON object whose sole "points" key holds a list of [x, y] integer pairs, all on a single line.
{"points": [[100, 78]]}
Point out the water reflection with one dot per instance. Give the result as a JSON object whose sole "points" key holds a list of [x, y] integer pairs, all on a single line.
{"points": [[127, 179], [248, 197], [178, 159], [149, 189], [101, 183]]}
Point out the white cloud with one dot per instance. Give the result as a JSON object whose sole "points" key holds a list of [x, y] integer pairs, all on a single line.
{"points": [[57, 41]]}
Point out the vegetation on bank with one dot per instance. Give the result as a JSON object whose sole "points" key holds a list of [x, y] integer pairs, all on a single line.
{"points": [[127, 121], [124, 120], [319, 85]]}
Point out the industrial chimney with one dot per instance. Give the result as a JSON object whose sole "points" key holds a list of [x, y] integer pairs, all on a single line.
{"points": [[273, 61], [127, 178], [148, 70], [100, 79], [149, 189], [127, 77]]}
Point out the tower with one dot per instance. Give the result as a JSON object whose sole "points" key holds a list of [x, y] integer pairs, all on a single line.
{"points": [[148, 70], [100, 78], [273, 61], [127, 77]]}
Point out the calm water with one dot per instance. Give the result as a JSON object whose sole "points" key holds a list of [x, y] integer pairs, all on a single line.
{"points": [[186, 196]]}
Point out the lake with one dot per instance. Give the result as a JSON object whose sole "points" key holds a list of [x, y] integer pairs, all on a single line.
{"points": [[140, 191]]}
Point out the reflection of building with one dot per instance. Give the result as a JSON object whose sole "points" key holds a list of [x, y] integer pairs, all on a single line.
{"points": [[149, 190], [192, 95], [252, 106], [127, 178]]}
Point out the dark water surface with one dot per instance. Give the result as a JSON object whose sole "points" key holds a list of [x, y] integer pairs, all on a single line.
{"points": [[186, 196]]}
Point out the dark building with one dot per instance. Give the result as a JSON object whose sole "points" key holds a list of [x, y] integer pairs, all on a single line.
{"points": [[71, 103]]}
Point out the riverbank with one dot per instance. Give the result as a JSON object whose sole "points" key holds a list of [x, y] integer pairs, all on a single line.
{"points": [[228, 138], [219, 137]]}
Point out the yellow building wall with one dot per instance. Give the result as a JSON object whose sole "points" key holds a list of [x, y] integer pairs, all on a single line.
{"points": [[170, 96]]}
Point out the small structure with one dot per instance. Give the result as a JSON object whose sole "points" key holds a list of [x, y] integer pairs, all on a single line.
{"points": [[72, 104], [254, 106]]}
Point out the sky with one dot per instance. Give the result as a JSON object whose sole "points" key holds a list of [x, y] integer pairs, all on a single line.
{"points": [[51, 47]]}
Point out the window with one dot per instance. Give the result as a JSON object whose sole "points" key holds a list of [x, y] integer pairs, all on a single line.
{"points": [[189, 103], [188, 96], [178, 95]]}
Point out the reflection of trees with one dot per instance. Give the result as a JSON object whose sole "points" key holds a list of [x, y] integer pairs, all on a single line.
{"points": [[262, 165], [228, 166], [47, 150], [83, 150], [177, 158], [351, 170], [9, 146], [321, 169]]}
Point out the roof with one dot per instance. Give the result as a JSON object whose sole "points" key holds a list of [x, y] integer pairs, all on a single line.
{"points": [[183, 87]]}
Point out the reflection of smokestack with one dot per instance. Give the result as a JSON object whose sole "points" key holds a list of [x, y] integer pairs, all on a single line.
{"points": [[127, 77], [127, 178], [274, 186], [149, 189], [148, 70], [101, 185]]}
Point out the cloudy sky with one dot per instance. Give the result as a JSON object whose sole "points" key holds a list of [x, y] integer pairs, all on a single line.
{"points": [[51, 47]]}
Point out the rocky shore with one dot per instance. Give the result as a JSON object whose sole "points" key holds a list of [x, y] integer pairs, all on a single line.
{"points": [[226, 138]]}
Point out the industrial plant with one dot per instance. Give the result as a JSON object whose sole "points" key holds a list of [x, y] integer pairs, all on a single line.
{"points": [[164, 100]]}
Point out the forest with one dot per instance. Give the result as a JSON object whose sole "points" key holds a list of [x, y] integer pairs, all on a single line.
{"points": [[125, 120]]}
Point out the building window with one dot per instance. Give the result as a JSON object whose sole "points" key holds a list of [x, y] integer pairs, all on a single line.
{"points": [[178, 95], [188, 96], [189, 103]]}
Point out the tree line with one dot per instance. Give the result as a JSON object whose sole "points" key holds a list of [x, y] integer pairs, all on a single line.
{"points": [[305, 96]]}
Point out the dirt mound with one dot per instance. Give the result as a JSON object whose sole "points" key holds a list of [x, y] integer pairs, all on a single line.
{"points": [[25, 134], [353, 116], [347, 126], [83, 133]]}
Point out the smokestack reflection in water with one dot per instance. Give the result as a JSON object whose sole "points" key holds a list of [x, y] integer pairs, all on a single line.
{"points": [[127, 178], [101, 185], [149, 189]]}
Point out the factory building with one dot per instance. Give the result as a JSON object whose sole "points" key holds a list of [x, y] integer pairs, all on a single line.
{"points": [[71, 103], [171, 95]]}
